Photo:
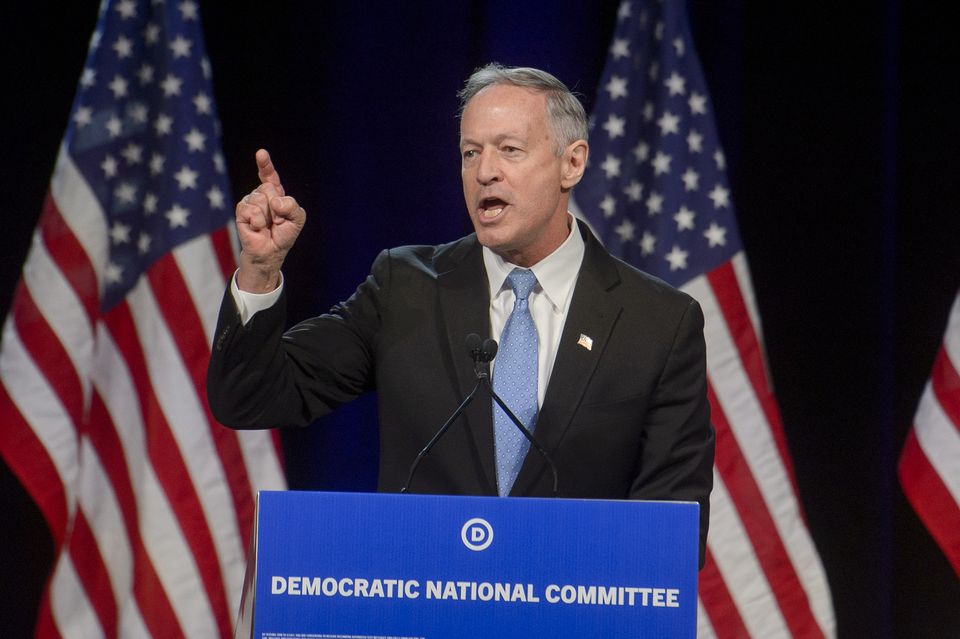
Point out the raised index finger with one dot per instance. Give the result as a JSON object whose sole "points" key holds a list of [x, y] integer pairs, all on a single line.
{"points": [[265, 169]]}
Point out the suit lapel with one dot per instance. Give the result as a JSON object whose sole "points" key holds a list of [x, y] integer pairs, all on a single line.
{"points": [[464, 297], [593, 313]]}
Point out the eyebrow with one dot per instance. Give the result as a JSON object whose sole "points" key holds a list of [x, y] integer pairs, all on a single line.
{"points": [[497, 140]]}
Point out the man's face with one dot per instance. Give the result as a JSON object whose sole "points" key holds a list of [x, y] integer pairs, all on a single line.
{"points": [[515, 185]]}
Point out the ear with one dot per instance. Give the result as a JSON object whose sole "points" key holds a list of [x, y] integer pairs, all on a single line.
{"points": [[574, 163]]}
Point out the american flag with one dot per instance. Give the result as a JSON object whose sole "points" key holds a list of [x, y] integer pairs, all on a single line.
{"points": [[930, 461], [657, 194], [104, 353]]}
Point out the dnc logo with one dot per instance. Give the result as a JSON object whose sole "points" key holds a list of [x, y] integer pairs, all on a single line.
{"points": [[477, 534]]}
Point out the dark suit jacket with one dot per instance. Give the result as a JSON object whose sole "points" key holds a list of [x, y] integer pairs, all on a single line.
{"points": [[628, 418]]}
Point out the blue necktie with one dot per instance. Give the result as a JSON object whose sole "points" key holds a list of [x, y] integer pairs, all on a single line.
{"points": [[515, 381]]}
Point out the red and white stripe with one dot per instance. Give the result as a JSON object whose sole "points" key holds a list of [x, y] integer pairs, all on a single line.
{"points": [[930, 461], [149, 500], [763, 576]]}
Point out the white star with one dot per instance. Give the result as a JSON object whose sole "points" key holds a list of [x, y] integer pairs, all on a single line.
{"points": [[658, 31], [138, 112], [171, 85], [205, 67], [653, 71], [216, 198], [668, 123], [132, 153], [113, 273], [188, 10], [124, 47], [679, 47], [684, 219], [620, 48], [163, 124], [156, 164], [676, 83], [151, 34], [180, 47], [203, 103], [127, 9], [654, 203], [149, 203], [698, 103], [120, 233], [143, 243], [720, 197], [186, 178], [195, 140], [641, 151], [88, 78], [691, 180], [617, 87], [719, 159], [694, 141], [218, 162], [114, 126], [611, 166], [647, 243], [677, 258], [608, 206], [177, 216], [95, 39], [661, 163], [145, 73], [633, 191], [83, 116], [126, 192], [109, 166], [119, 87], [625, 230], [623, 11], [615, 126], [716, 235], [647, 111]]}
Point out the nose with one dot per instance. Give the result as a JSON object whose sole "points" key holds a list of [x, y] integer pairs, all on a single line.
{"points": [[488, 170]]}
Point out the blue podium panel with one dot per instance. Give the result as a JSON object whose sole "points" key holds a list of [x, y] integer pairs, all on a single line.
{"points": [[442, 567]]}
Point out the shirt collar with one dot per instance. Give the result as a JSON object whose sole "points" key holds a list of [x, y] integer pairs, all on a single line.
{"points": [[556, 273]]}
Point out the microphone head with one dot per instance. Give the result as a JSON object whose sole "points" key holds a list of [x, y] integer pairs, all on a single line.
{"points": [[474, 346], [488, 350]]}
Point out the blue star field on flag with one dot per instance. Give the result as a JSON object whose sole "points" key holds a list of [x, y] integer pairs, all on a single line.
{"points": [[145, 136], [655, 189]]}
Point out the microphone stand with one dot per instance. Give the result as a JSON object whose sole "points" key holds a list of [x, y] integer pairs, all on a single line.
{"points": [[526, 433], [438, 435], [482, 353]]}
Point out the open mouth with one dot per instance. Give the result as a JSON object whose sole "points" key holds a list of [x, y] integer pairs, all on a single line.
{"points": [[491, 207]]}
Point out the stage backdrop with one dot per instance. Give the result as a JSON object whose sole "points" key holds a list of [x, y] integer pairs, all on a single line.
{"points": [[839, 128]]}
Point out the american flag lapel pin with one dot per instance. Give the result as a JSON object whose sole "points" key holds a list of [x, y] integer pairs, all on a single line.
{"points": [[585, 341]]}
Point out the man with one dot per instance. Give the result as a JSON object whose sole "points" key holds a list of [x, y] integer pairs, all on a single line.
{"points": [[604, 363]]}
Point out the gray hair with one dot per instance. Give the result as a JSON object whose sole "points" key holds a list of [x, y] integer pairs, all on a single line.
{"points": [[565, 113]]}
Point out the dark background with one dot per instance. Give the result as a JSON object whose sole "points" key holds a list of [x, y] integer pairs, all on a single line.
{"points": [[841, 134]]}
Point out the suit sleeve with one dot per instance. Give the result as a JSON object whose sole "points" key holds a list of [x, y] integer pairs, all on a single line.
{"points": [[262, 377], [678, 447]]}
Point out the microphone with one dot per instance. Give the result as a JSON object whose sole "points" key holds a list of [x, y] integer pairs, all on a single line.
{"points": [[481, 352]]}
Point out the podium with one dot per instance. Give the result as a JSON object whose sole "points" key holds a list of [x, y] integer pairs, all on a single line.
{"points": [[364, 566]]}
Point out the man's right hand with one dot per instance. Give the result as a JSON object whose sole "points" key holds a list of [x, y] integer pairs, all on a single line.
{"points": [[268, 223]]}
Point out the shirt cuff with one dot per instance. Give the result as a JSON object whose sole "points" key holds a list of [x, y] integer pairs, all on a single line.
{"points": [[250, 303]]}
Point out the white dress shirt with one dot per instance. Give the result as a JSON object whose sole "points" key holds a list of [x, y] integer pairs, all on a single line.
{"points": [[549, 301]]}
